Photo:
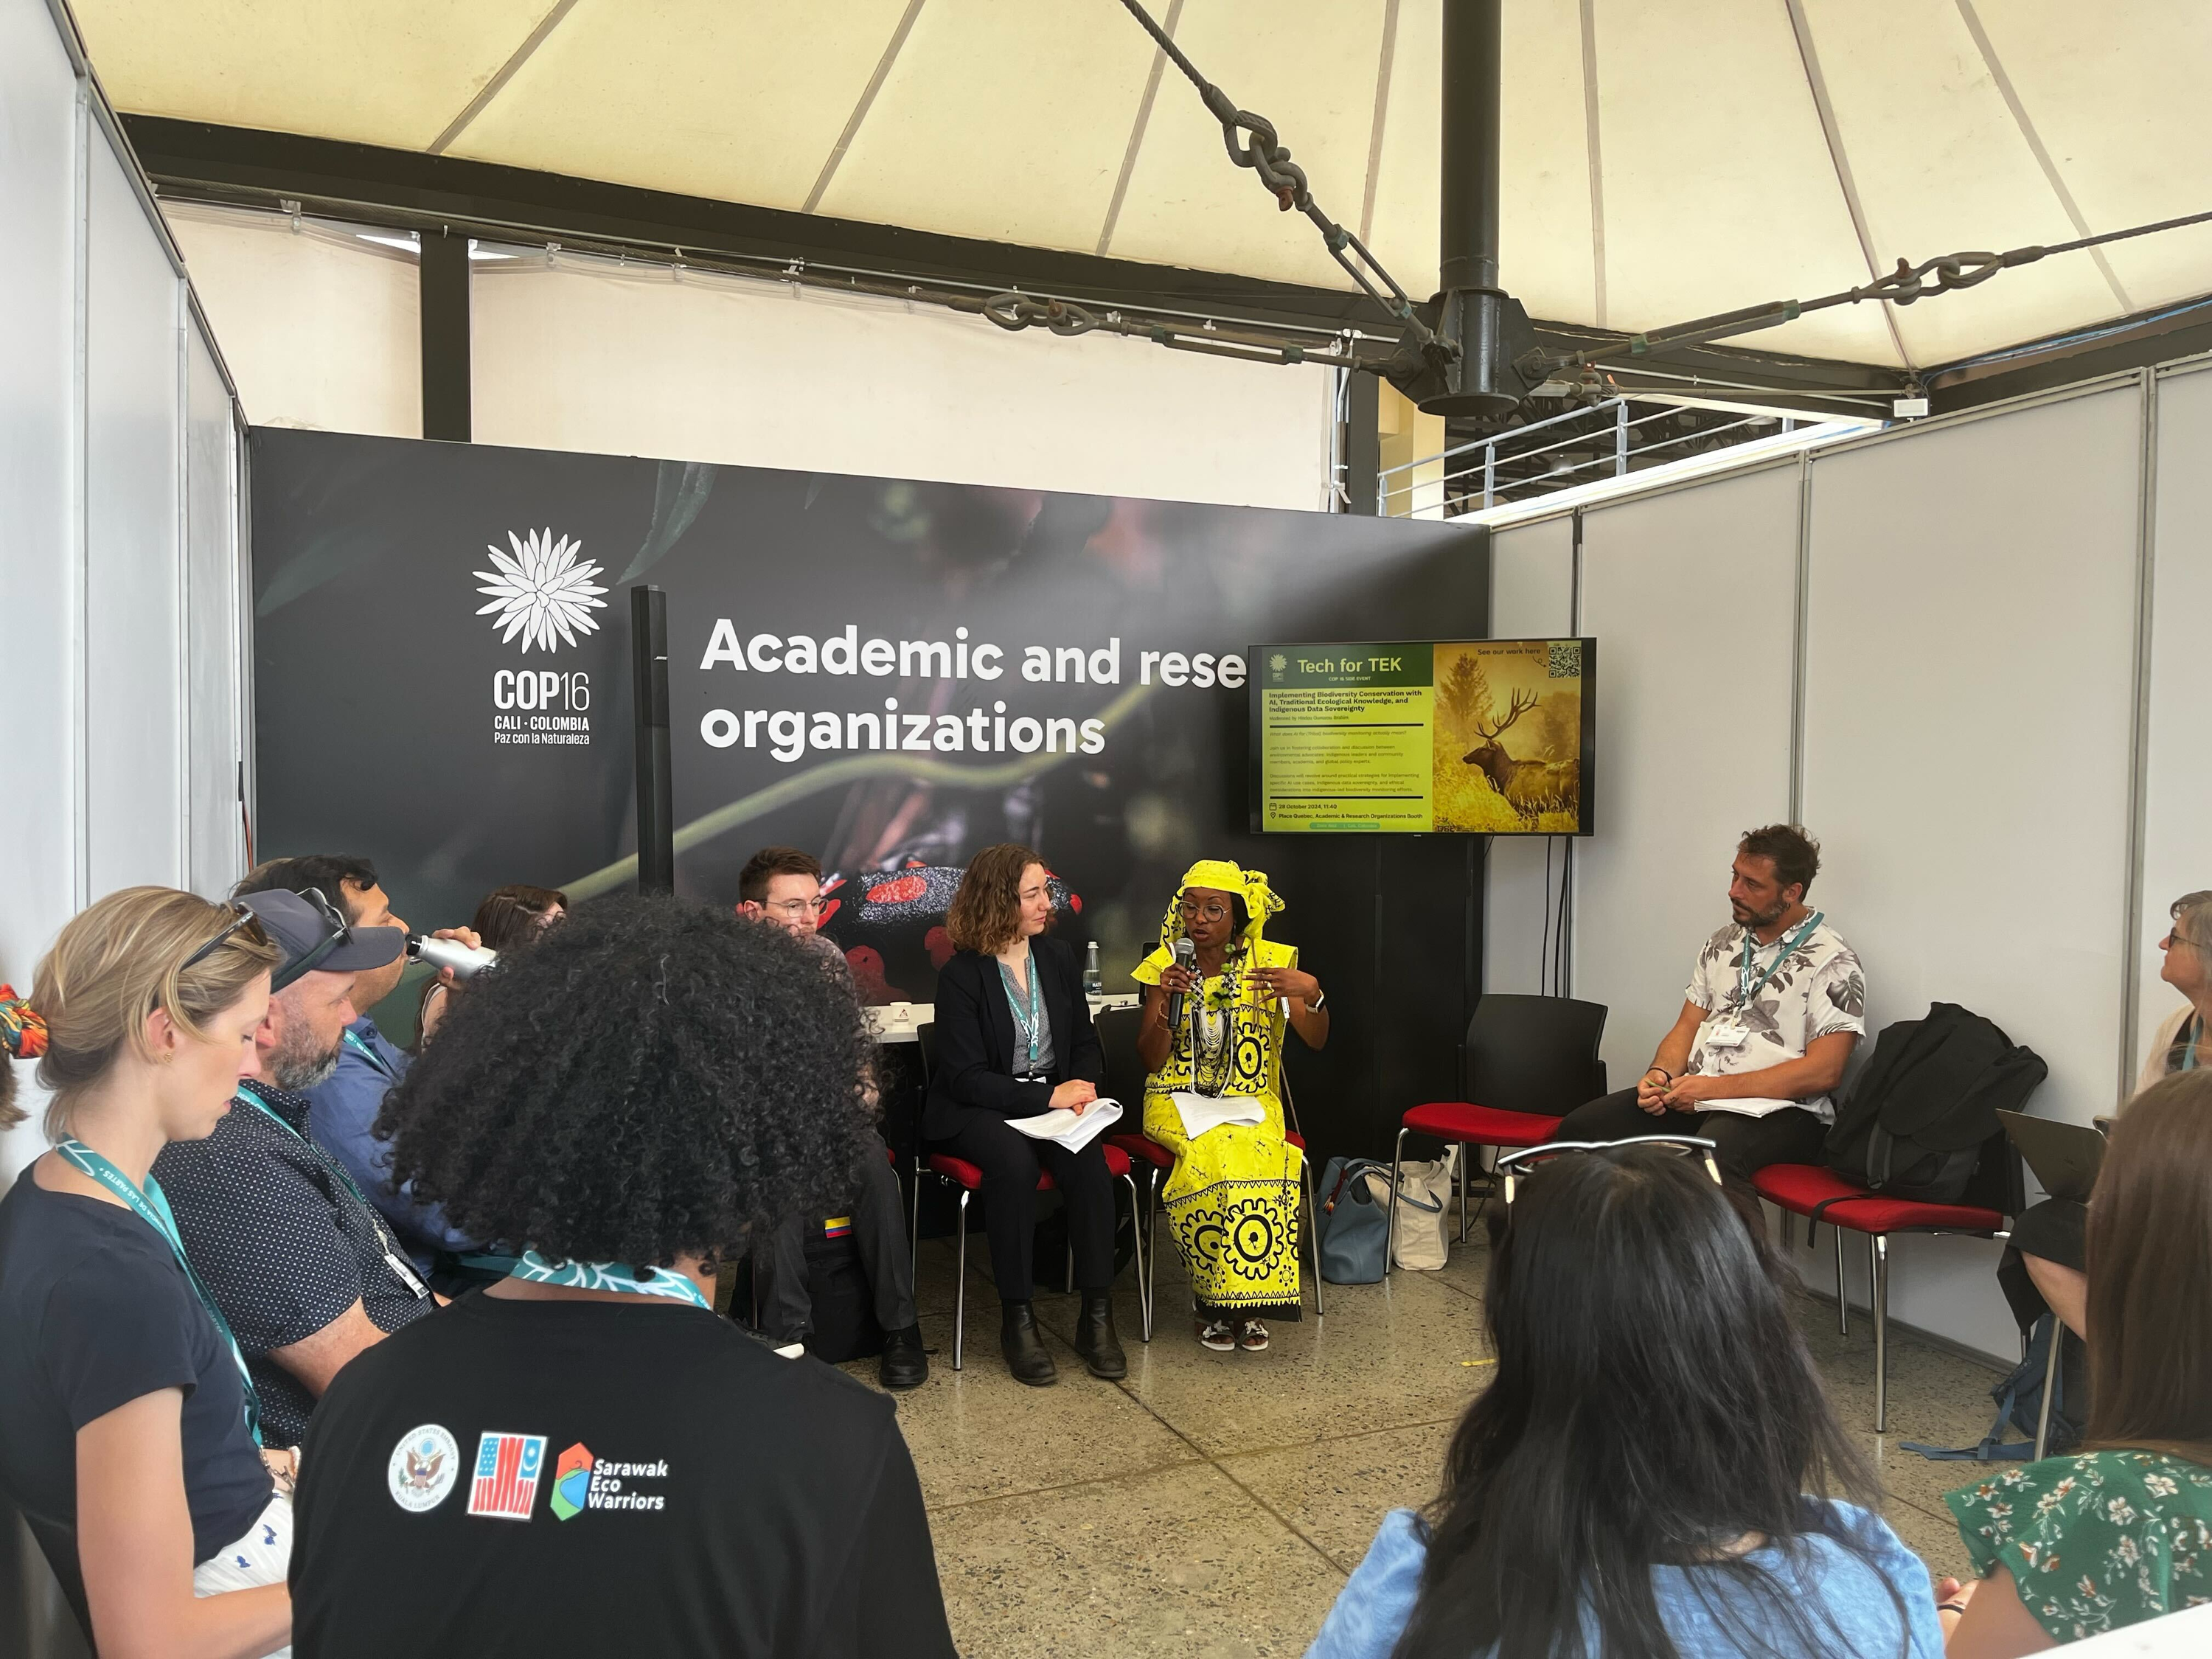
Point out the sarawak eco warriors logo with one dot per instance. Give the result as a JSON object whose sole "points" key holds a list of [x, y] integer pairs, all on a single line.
{"points": [[542, 595], [582, 1481]]}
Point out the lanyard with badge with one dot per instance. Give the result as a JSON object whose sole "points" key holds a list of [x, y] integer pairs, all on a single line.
{"points": [[665, 1282], [367, 1052], [401, 1267], [1729, 1031], [1030, 1030], [152, 1207]]}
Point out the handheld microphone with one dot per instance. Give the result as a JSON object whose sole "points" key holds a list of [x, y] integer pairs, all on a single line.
{"points": [[449, 953], [1186, 956]]}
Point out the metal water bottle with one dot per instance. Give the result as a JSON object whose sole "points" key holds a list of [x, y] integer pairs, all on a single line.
{"points": [[449, 953], [1094, 984]]}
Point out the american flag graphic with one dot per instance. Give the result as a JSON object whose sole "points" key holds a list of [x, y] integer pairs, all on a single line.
{"points": [[506, 1474]]}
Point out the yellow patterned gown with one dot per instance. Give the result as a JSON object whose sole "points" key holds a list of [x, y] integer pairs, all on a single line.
{"points": [[1232, 1201]]}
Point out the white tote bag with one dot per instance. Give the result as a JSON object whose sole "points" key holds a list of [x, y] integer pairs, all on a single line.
{"points": [[1423, 1207]]}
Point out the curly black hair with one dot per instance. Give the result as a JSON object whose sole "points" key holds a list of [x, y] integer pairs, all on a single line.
{"points": [[653, 1077]]}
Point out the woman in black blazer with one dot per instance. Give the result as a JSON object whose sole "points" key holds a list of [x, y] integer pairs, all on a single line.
{"points": [[1014, 1038]]}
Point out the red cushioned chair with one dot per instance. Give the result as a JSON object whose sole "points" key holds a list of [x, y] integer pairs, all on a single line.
{"points": [[959, 1173], [1994, 1192], [1527, 1062]]}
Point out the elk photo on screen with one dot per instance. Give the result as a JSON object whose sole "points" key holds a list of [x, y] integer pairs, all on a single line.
{"points": [[1507, 736]]}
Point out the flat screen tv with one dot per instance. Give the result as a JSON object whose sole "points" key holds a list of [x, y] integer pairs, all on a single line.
{"points": [[1420, 737]]}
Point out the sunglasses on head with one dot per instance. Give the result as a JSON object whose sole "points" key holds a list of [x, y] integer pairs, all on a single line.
{"points": [[1510, 1166], [242, 920]]}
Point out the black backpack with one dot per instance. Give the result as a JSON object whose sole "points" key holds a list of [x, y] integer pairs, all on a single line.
{"points": [[1915, 1123]]}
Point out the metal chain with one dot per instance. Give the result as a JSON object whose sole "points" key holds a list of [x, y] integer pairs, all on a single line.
{"points": [[1950, 272], [1264, 152]]}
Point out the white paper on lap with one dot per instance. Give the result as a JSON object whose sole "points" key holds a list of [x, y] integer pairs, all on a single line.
{"points": [[1203, 1112], [1749, 1106], [1070, 1130]]}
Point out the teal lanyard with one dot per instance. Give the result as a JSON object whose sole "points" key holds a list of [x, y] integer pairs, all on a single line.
{"points": [[152, 1207], [1031, 1029], [368, 1054], [666, 1282], [1752, 988], [393, 1259], [2193, 1036]]}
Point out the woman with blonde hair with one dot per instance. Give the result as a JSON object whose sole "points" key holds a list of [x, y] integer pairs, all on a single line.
{"points": [[1014, 1039], [131, 1436], [1232, 1202]]}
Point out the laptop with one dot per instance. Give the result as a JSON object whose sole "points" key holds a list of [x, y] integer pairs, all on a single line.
{"points": [[2065, 1157]]}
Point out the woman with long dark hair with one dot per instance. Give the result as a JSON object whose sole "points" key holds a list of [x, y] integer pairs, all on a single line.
{"points": [[1646, 1474], [2121, 1531]]}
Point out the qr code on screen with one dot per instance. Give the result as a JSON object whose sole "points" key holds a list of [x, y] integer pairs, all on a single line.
{"points": [[1566, 659]]}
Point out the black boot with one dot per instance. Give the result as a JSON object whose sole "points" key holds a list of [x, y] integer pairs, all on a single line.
{"points": [[1024, 1349], [1095, 1340], [904, 1363]]}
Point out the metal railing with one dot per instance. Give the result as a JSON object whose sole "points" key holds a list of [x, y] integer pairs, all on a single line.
{"points": [[1509, 447]]}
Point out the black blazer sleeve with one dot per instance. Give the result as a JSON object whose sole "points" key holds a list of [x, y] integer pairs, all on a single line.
{"points": [[972, 1062]]}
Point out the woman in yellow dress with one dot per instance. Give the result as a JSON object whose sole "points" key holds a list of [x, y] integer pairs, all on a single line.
{"points": [[1232, 1202]]}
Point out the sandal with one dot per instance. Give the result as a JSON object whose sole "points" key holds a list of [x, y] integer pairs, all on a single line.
{"points": [[1252, 1336], [1215, 1334]]}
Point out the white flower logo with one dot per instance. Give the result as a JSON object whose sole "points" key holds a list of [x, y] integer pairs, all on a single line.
{"points": [[1278, 662], [541, 591]]}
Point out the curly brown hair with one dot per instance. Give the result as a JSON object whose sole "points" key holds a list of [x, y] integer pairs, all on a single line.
{"points": [[987, 912], [652, 1077]]}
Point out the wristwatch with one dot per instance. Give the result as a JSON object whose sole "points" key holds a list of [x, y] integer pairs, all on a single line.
{"points": [[1319, 998]]}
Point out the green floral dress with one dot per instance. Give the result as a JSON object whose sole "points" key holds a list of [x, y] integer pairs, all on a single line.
{"points": [[2094, 1541]]}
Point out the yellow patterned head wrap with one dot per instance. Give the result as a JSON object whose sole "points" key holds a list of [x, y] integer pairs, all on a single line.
{"points": [[1250, 885]]}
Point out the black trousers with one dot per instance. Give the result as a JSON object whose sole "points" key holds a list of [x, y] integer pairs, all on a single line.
{"points": [[1010, 1161], [1743, 1145], [786, 1311]]}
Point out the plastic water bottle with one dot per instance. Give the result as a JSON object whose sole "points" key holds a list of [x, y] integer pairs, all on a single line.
{"points": [[1094, 984]]}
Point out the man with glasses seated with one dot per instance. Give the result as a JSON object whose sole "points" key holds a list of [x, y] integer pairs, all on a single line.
{"points": [[783, 885], [302, 1267], [1775, 1004]]}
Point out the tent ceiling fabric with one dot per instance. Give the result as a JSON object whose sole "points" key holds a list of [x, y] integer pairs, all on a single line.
{"points": [[1661, 161]]}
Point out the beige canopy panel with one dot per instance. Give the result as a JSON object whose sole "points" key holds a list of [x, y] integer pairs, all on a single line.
{"points": [[1663, 159]]}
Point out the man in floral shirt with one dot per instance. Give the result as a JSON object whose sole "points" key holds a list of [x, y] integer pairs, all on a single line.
{"points": [[1775, 1004]]}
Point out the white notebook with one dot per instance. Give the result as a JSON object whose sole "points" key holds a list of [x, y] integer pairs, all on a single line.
{"points": [[1071, 1130], [1203, 1112]]}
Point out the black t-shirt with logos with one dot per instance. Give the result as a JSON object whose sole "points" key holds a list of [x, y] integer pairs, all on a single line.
{"points": [[535, 1477]]}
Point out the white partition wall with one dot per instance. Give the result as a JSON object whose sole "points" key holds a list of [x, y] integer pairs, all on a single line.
{"points": [[1532, 593], [2177, 844], [1693, 599], [215, 601], [40, 517], [119, 657], [133, 599], [1970, 671], [1959, 654]]}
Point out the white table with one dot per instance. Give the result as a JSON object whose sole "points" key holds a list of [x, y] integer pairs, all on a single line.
{"points": [[901, 1021]]}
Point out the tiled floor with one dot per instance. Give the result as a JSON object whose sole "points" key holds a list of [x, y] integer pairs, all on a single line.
{"points": [[1211, 1504]]}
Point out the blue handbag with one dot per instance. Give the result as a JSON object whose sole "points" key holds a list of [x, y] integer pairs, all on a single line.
{"points": [[1353, 1227]]}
